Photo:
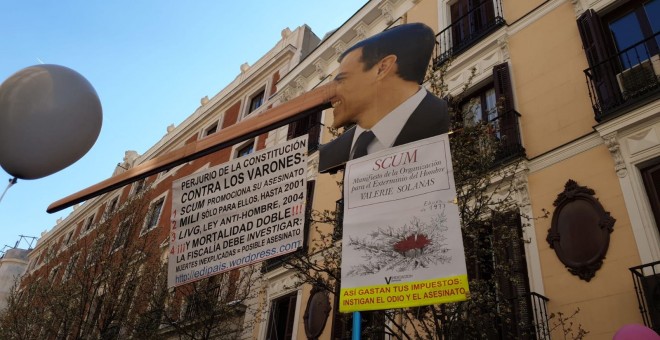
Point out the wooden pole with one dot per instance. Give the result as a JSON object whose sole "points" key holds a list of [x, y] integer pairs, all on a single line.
{"points": [[273, 118]]}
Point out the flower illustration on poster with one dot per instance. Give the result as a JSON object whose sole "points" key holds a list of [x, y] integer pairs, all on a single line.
{"points": [[416, 244]]}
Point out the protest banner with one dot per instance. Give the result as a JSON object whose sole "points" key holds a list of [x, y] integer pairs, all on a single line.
{"points": [[402, 243], [238, 213]]}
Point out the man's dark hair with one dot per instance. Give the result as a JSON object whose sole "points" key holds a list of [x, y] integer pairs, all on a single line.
{"points": [[411, 43]]}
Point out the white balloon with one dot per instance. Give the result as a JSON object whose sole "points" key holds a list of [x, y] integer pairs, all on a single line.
{"points": [[50, 116]]}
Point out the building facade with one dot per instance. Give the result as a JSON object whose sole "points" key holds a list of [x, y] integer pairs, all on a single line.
{"points": [[570, 90]]}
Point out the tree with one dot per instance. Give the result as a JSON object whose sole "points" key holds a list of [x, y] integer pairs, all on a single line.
{"points": [[111, 283], [212, 308], [91, 287]]}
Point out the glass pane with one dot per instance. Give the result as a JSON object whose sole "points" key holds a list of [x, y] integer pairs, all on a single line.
{"points": [[491, 104], [627, 33], [472, 111], [652, 9]]}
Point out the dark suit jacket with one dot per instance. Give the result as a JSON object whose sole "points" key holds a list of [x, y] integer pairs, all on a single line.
{"points": [[430, 118]]}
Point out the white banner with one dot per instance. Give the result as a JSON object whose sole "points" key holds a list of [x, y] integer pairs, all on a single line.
{"points": [[402, 243], [238, 213]]}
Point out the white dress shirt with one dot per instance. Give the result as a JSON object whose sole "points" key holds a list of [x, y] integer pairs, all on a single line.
{"points": [[388, 128]]}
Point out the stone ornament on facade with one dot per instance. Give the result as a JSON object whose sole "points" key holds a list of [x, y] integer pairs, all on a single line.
{"points": [[503, 43], [577, 6], [300, 83], [320, 68], [287, 93], [339, 47], [520, 187], [361, 30], [386, 11], [580, 230], [619, 163], [316, 313]]}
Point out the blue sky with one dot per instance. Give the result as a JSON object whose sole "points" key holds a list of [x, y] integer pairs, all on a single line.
{"points": [[150, 62]]}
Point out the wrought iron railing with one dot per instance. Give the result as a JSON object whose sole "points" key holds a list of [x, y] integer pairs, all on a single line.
{"points": [[508, 133], [626, 78], [540, 313], [646, 279], [469, 28]]}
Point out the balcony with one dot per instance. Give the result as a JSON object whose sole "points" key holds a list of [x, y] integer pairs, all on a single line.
{"points": [[646, 279], [540, 313], [508, 133], [467, 28], [625, 80], [505, 131]]}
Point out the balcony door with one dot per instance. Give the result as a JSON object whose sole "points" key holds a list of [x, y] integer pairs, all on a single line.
{"points": [[469, 19], [651, 176], [633, 30]]}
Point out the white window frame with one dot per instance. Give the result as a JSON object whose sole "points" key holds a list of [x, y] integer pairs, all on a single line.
{"points": [[135, 186], [205, 131], [121, 227], [70, 266], [89, 224], [248, 100], [146, 227], [237, 147]]}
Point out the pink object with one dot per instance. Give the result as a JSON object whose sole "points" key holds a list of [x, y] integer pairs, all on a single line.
{"points": [[635, 332]]}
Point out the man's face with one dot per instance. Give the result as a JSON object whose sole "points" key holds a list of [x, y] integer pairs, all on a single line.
{"points": [[356, 89]]}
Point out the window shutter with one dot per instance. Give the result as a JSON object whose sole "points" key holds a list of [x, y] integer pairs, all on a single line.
{"points": [[595, 47], [291, 312], [593, 37], [308, 213], [503, 88], [293, 129], [513, 285], [507, 117]]}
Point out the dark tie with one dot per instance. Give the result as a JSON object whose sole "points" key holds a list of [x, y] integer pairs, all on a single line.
{"points": [[361, 144]]}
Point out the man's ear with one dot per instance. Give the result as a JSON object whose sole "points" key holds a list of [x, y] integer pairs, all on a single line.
{"points": [[386, 66]]}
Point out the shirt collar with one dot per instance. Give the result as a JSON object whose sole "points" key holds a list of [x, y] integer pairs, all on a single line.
{"points": [[388, 128]]}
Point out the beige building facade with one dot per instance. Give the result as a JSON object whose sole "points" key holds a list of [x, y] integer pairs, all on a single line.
{"points": [[570, 102]]}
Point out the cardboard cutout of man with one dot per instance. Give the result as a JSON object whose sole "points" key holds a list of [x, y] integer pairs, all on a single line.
{"points": [[378, 89]]}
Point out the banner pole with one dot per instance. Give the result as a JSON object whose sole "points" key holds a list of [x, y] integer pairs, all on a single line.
{"points": [[356, 326]]}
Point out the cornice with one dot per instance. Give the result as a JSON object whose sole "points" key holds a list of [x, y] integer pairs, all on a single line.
{"points": [[565, 151]]}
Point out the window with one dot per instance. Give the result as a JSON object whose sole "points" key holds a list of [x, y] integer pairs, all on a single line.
{"points": [[88, 223], [651, 177], [280, 320], [635, 25], [70, 267], [495, 256], [154, 214], [308, 125], [68, 238], [122, 236], [257, 100], [53, 273], [481, 107], [245, 149], [493, 104], [211, 129], [469, 19], [139, 186], [112, 206], [622, 49]]}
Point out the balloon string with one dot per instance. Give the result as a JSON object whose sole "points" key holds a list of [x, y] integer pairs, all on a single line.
{"points": [[11, 182]]}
